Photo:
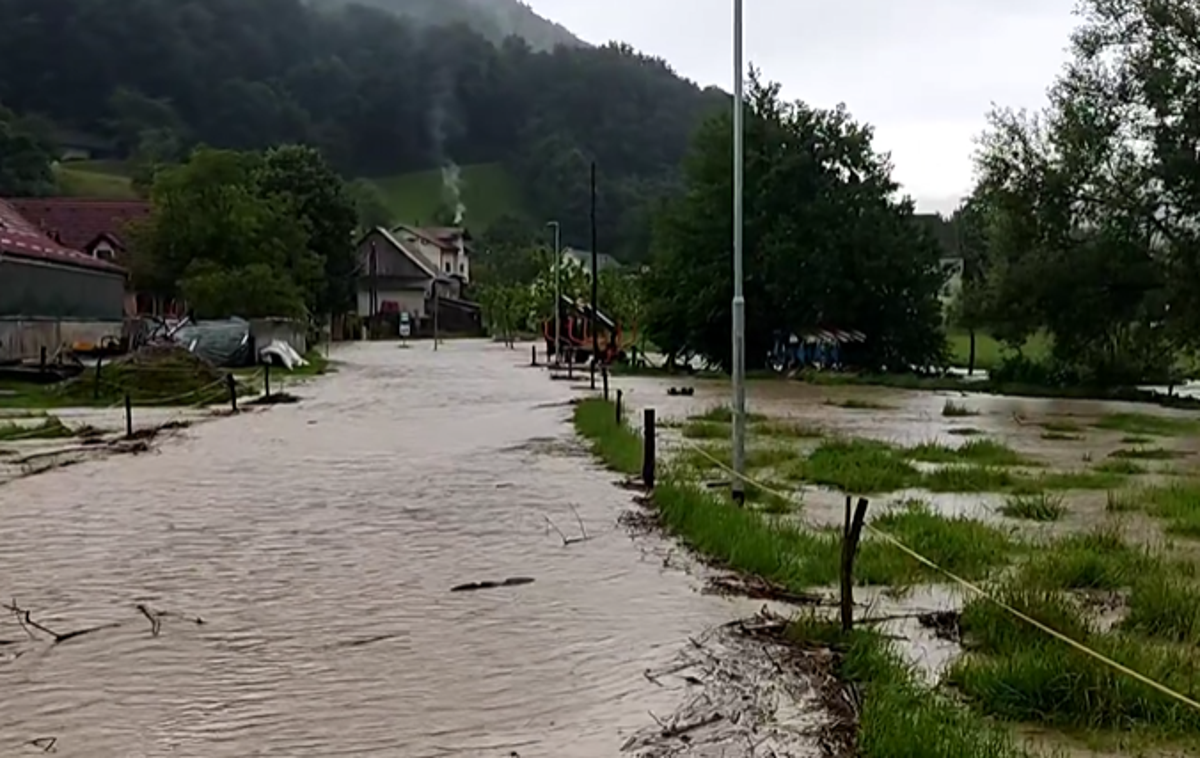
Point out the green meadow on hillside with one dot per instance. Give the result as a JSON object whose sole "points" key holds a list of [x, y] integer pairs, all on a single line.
{"points": [[488, 192], [108, 180]]}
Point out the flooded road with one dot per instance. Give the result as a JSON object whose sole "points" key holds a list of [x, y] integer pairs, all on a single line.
{"points": [[318, 543]]}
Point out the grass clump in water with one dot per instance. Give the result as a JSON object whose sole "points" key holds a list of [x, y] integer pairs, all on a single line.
{"points": [[1096, 560], [723, 414], [901, 717], [1021, 673], [788, 429], [856, 465], [1165, 607], [1142, 424], [981, 452], [951, 409], [614, 443], [1121, 466], [705, 430], [1147, 454], [1043, 506], [1178, 503]]}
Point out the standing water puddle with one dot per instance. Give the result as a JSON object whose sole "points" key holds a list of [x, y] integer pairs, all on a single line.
{"points": [[319, 544]]}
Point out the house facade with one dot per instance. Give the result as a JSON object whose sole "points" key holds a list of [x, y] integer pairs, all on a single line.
{"points": [[52, 295], [413, 271], [583, 260]]}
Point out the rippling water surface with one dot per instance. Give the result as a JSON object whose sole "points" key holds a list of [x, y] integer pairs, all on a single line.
{"points": [[318, 542]]}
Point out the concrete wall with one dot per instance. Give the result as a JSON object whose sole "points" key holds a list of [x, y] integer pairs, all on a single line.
{"points": [[264, 331], [25, 338]]}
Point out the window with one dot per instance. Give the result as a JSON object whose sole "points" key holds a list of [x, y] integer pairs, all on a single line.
{"points": [[447, 266], [462, 268]]}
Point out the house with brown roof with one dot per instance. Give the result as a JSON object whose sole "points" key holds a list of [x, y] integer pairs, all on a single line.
{"points": [[51, 294], [99, 228], [417, 272]]}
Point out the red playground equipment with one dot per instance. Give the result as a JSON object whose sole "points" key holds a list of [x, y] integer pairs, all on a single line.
{"points": [[577, 325]]}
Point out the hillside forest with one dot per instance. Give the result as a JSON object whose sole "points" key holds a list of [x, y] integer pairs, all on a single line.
{"points": [[1080, 235], [377, 92]]}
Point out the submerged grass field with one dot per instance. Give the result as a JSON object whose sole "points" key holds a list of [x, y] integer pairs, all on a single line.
{"points": [[1136, 606]]}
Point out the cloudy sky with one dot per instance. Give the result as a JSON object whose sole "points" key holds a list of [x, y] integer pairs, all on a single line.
{"points": [[923, 72]]}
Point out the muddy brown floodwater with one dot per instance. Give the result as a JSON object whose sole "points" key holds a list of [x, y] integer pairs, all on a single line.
{"points": [[318, 543]]}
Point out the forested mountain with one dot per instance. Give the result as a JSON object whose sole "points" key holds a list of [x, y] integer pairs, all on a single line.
{"points": [[494, 19], [376, 92]]}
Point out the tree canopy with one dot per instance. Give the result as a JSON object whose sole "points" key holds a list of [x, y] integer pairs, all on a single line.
{"points": [[826, 243], [1090, 209], [377, 92], [249, 234]]}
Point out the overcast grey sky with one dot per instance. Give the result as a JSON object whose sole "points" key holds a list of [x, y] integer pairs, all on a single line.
{"points": [[923, 72]]}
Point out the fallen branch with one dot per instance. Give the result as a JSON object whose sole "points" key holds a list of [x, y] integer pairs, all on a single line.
{"points": [[565, 539], [45, 743], [25, 619]]}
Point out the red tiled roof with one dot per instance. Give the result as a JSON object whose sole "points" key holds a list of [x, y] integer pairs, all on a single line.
{"points": [[78, 222], [19, 238]]}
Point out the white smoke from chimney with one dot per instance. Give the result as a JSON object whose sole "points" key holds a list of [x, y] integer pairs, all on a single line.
{"points": [[452, 186]]}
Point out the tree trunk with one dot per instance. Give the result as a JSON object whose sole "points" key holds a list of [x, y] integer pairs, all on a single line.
{"points": [[971, 354]]}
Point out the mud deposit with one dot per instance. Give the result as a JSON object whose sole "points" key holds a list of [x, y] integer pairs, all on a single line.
{"points": [[318, 542]]}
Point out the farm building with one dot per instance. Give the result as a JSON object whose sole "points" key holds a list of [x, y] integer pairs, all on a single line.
{"points": [[51, 295]]}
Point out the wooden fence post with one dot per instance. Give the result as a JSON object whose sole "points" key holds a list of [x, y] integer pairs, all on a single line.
{"points": [[648, 451], [851, 532], [620, 397], [128, 416], [232, 383]]}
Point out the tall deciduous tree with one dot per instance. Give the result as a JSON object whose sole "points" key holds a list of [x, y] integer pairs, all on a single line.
{"points": [[214, 237], [301, 178], [1094, 204], [826, 243]]}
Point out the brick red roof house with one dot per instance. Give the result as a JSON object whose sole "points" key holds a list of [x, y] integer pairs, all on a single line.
{"points": [[20, 238], [95, 227]]}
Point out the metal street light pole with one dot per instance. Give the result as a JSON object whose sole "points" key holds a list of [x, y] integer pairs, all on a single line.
{"points": [[557, 291], [739, 301]]}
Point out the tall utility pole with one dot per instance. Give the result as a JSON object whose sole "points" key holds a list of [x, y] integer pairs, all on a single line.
{"points": [[595, 286], [557, 291], [373, 293], [739, 300]]}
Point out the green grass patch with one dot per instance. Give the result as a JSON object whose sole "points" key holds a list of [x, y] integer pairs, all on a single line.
{"points": [[705, 430], [1166, 607], [990, 352], [1120, 466], [1134, 439], [981, 452], [951, 409], [1044, 506], [1178, 503], [1100, 559], [1022, 674], [488, 192], [856, 465], [1141, 424], [50, 428], [901, 717], [612, 441], [105, 180], [797, 558], [723, 414], [788, 429]]}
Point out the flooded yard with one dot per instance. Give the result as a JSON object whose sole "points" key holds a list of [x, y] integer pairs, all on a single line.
{"points": [[1081, 515], [318, 544]]}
